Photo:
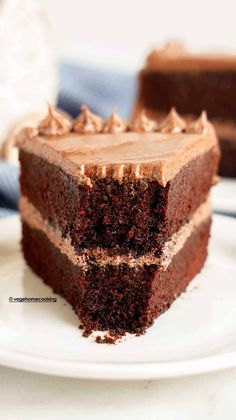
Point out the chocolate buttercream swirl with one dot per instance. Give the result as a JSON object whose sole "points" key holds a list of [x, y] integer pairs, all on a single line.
{"points": [[143, 124], [55, 124], [173, 123], [87, 122], [31, 132], [200, 126], [170, 50], [115, 124]]}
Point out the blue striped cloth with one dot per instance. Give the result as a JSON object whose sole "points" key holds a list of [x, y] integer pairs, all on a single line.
{"points": [[9, 189], [100, 90]]}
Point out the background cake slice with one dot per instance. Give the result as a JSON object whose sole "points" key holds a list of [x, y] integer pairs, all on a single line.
{"points": [[193, 82], [117, 221]]}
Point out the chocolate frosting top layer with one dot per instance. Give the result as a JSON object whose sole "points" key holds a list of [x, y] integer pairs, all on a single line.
{"points": [[153, 155], [174, 57]]}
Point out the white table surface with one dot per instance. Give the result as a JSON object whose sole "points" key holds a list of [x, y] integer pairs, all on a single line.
{"points": [[26, 396]]}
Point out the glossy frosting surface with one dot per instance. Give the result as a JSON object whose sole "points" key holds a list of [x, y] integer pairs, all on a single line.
{"points": [[152, 155], [124, 147]]}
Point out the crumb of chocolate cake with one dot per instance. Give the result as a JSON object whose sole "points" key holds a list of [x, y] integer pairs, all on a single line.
{"points": [[104, 340], [109, 338], [87, 333], [141, 332]]}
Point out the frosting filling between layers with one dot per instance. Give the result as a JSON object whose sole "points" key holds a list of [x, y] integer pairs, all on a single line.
{"points": [[33, 217]]}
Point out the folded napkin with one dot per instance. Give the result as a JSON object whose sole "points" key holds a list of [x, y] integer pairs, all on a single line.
{"points": [[100, 90], [9, 189]]}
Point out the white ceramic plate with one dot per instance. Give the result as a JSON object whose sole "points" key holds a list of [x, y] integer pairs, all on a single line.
{"points": [[224, 196], [197, 334]]}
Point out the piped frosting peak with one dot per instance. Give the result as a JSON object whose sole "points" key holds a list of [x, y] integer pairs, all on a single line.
{"points": [[143, 124], [87, 122], [170, 50], [115, 124], [200, 126], [55, 123], [173, 123], [58, 124]]}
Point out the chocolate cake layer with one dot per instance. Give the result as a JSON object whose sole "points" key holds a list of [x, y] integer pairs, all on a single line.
{"points": [[102, 257], [227, 133], [228, 163], [190, 92], [135, 215], [118, 298]]}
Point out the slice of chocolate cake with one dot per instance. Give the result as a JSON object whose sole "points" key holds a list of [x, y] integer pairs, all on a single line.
{"points": [[117, 218], [192, 82]]}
